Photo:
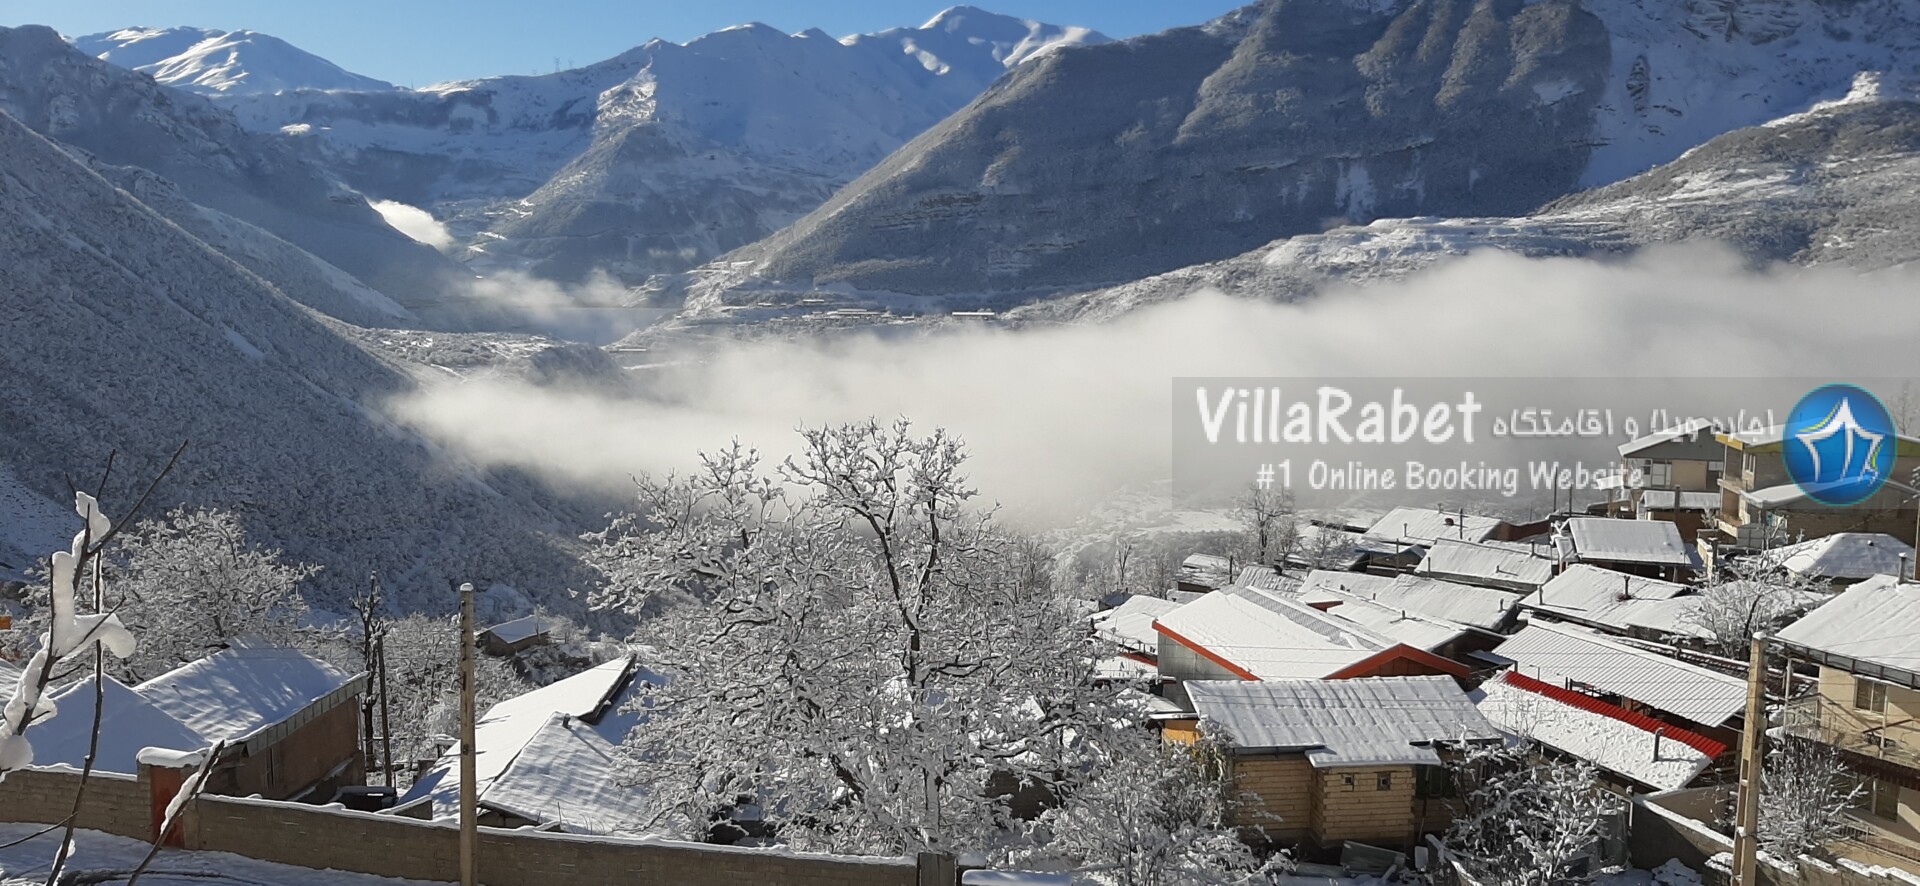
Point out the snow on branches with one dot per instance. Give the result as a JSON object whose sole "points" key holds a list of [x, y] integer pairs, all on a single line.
{"points": [[67, 632]]}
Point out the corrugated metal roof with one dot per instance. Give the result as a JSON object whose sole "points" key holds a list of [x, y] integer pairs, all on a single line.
{"points": [[1655, 542], [1691, 439], [1662, 500], [1605, 735], [1266, 578], [1361, 722], [1270, 638], [1877, 621], [1845, 555], [1489, 565], [1615, 601], [1556, 654], [1130, 624], [1423, 526], [1399, 625], [1428, 597]]}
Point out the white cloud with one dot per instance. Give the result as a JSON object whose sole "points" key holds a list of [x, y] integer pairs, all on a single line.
{"points": [[1061, 414], [414, 222]]}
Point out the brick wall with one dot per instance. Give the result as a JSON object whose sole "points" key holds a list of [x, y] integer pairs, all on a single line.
{"points": [[1284, 787], [389, 846]]}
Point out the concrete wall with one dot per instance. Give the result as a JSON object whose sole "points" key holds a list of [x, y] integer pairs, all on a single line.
{"points": [[330, 837], [1665, 826]]}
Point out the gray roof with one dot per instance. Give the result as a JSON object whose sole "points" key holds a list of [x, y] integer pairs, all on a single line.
{"points": [[1655, 542], [1130, 624], [1266, 578], [1497, 566], [1372, 721], [1558, 654], [1423, 526], [1614, 600], [1432, 598], [1845, 555], [1877, 621], [1691, 440], [1662, 500]]}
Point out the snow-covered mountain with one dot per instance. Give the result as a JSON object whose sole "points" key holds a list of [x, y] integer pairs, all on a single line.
{"points": [[663, 156], [1105, 164], [122, 333], [214, 62], [125, 119]]}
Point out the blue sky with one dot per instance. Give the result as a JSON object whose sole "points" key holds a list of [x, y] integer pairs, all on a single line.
{"points": [[416, 42]]}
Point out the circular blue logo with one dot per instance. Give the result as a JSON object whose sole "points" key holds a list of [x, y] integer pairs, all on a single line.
{"points": [[1839, 445]]}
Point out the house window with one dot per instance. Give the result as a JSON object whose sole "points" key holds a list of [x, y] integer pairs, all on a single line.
{"points": [[1346, 781], [1885, 798], [1433, 782], [1869, 695], [1384, 782]]}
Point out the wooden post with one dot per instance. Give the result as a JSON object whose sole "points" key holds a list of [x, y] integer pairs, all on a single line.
{"points": [[1746, 822], [469, 796]]}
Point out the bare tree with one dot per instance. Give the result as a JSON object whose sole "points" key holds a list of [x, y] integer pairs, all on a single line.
{"points": [[1268, 515], [1527, 820], [1805, 789], [854, 650], [1744, 599]]}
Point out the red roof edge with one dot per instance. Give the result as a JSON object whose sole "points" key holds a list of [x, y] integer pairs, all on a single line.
{"points": [[1701, 743], [1140, 657], [1204, 652], [1402, 651]]}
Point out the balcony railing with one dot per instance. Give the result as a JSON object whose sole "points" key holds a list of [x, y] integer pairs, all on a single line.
{"points": [[1860, 832], [1893, 739]]}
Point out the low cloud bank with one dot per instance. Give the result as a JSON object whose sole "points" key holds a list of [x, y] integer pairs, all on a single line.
{"points": [[1059, 416], [414, 222]]}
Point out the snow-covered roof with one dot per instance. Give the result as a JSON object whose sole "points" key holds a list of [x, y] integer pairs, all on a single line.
{"points": [[128, 723], [500, 734], [1614, 600], [1655, 542], [518, 629], [1424, 526], [566, 774], [1876, 621], [1266, 578], [1369, 721], [1662, 500], [1498, 566], [1558, 654], [1686, 438], [1210, 570], [1124, 669], [1270, 638], [1335, 585], [237, 692], [1444, 600], [1130, 624], [1398, 625], [1845, 555], [1605, 735]]}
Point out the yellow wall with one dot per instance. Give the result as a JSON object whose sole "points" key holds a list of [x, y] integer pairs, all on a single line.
{"points": [[1280, 786], [1365, 813]]}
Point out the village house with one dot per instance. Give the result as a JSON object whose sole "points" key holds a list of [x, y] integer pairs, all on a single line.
{"points": [[1485, 611], [1634, 752], [518, 635], [1129, 628], [1845, 558], [1867, 706], [1761, 508], [1239, 633], [1200, 573], [291, 722], [1636, 680], [1651, 548], [546, 758], [1328, 761], [1421, 527], [1675, 476], [1616, 603], [1501, 565]]}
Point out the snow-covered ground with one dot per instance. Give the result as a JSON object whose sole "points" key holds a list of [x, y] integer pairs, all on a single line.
{"points": [[107, 855]]}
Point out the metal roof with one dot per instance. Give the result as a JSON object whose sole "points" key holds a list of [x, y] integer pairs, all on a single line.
{"points": [[1558, 654], [1487, 565], [1271, 638], [1130, 624], [1685, 441], [1423, 526], [1399, 625], [1646, 751], [1372, 721], [1662, 500], [1616, 601], [1630, 541], [1875, 621], [1427, 597], [1845, 555], [1266, 578]]}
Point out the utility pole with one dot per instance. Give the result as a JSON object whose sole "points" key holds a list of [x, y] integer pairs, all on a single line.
{"points": [[1746, 822], [386, 716], [469, 797]]}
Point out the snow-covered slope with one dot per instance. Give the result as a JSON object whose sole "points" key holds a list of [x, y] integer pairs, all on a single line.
{"points": [[660, 157], [126, 119], [1111, 163], [1836, 185], [121, 333], [217, 62]]}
